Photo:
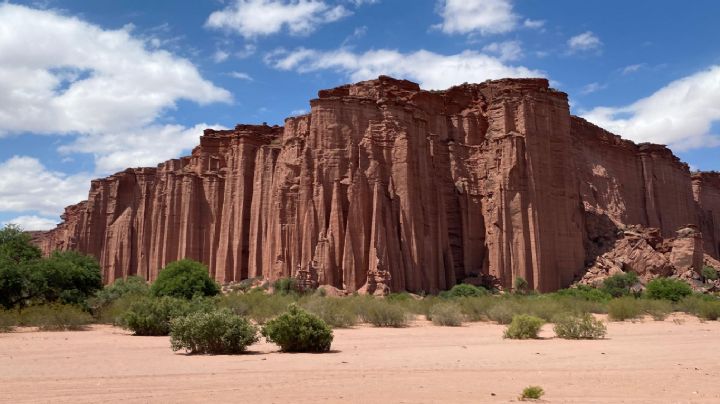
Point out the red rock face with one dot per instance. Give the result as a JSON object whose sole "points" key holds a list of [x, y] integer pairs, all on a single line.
{"points": [[384, 187]]}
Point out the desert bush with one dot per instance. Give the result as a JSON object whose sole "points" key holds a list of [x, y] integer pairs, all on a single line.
{"points": [[286, 286], [447, 314], [624, 308], [709, 273], [381, 313], [667, 289], [583, 326], [658, 309], [151, 316], [524, 326], [298, 331], [619, 284], [8, 320], [532, 393], [520, 285], [256, 304], [133, 285], [212, 332], [586, 293], [336, 312], [55, 317], [708, 309], [466, 290], [184, 279], [476, 308], [502, 312]]}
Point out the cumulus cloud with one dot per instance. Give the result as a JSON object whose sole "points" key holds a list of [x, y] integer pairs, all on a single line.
{"points": [[32, 223], [681, 114], [477, 16], [586, 41], [431, 70], [27, 185], [254, 18], [149, 146], [508, 50], [59, 74]]}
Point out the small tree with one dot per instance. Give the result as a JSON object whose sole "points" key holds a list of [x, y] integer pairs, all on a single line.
{"points": [[667, 289], [298, 331], [185, 279]]}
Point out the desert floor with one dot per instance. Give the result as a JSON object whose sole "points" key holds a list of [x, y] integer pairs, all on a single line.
{"points": [[677, 360]]}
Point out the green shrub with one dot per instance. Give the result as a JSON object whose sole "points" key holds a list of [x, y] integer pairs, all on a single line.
{"points": [[55, 317], [667, 289], [532, 393], [586, 293], [709, 310], [520, 285], [133, 285], [213, 332], [335, 311], [381, 313], [476, 308], [256, 304], [8, 320], [502, 312], [619, 284], [151, 316], [624, 308], [184, 279], [447, 314], [286, 286], [709, 273], [658, 309], [298, 331], [16, 245], [466, 290], [583, 326], [524, 326]]}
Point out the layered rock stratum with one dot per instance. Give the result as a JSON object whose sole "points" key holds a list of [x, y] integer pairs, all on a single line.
{"points": [[384, 186]]}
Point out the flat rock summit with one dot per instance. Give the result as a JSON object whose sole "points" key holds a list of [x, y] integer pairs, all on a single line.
{"points": [[387, 187]]}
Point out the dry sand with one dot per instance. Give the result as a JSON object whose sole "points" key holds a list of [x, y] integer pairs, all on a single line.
{"points": [[669, 361]]}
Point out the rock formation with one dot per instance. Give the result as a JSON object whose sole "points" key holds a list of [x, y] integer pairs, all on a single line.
{"points": [[384, 186]]}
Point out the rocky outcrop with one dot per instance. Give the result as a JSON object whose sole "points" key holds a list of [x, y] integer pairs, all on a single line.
{"points": [[386, 187]]}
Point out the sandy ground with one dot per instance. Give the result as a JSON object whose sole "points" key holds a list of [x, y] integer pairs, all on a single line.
{"points": [[670, 361]]}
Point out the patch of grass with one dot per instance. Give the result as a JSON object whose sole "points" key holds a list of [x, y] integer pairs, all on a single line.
{"points": [[524, 326], [624, 308], [667, 289], [583, 326], [658, 309], [476, 308], [502, 312], [381, 313], [337, 312], [532, 393], [298, 331], [55, 317], [446, 314], [257, 304], [709, 310], [214, 332], [8, 320], [585, 292]]}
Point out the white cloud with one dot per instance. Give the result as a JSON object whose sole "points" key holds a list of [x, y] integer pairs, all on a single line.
{"points": [[139, 148], [584, 42], [431, 70], [533, 24], [32, 223], [592, 88], [220, 56], [241, 76], [59, 74], [508, 50], [253, 18], [26, 185], [632, 68], [477, 16], [298, 112], [681, 114]]}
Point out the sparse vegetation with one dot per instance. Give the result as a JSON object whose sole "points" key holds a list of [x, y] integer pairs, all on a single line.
{"points": [[446, 314], [298, 331], [336, 312], [381, 313], [583, 326], [524, 326], [213, 332], [520, 285], [184, 279], [152, 316], [667, 289], [619, 285], [532, 393], [55, 317], [709, 273], [624, 308], [658, 309], [8, 320]]}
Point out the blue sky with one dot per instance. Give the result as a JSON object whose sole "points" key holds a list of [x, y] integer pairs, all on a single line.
{"points": [[88, 88]]}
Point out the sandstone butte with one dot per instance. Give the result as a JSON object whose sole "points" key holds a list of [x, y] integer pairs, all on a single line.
{"points": [[384, 186]]}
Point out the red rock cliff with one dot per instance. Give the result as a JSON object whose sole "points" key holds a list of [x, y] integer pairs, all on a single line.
{"points": [[384, 186]]}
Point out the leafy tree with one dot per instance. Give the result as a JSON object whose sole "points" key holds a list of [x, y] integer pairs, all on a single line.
{"points": [[184, 279], [16, 245], [69, 277]]}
